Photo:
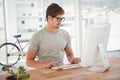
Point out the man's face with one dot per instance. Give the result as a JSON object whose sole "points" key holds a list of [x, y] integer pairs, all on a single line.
{"points": [[56, 21]]}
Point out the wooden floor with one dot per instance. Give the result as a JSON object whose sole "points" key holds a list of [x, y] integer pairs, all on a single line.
{"points": [[76, 74]]}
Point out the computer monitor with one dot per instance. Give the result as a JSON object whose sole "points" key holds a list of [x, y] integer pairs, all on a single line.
{"points": [[95, 44]]}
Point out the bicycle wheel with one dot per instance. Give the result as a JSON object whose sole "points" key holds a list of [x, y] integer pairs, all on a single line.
{"points": [[11, 51]]}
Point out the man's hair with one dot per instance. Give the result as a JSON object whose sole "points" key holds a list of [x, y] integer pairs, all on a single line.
{"points": [[54, 10]]}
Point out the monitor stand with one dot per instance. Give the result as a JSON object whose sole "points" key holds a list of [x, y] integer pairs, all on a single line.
{"points": [[105, 61]]}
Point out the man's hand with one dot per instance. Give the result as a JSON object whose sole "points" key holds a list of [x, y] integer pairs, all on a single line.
{"points": [[52, 64], [74, 60]]}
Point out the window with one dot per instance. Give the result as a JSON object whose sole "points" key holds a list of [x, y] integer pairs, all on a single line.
{"points": [[103, 11]]}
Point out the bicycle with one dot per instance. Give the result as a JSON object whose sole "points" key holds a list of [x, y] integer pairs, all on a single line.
{"points": [[13, 51]]}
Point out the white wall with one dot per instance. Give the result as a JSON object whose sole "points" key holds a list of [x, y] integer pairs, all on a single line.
{"points": [[78, 28], [2, 28], [10, 13]]}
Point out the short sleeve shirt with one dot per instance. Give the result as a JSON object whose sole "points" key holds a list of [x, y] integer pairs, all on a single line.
{"points": [[50, 46]]}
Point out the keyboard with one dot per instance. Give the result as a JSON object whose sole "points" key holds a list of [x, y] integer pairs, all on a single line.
{"points": [[66, 66]]}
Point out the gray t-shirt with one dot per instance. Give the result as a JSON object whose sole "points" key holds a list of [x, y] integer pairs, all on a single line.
{"points": [[50, 46]]}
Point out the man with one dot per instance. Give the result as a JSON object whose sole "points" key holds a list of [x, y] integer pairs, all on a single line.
{"points": [[51, 43]]}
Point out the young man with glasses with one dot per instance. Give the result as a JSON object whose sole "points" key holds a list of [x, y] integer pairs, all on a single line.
{"points": [[50, 43]]}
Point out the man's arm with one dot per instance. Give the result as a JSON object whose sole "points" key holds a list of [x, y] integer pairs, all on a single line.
{"points": [[71, 58], [30, 61]]}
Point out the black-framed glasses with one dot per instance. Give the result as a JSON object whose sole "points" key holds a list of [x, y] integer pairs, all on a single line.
{"points": [[59, 19]]}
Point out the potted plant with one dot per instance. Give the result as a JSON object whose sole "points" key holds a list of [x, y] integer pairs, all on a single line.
{"points": [[20, 75]]}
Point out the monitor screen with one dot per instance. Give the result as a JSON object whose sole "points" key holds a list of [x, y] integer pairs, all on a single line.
{"points": [[95, 34]]}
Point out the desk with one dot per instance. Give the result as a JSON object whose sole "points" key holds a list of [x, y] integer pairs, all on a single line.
{"points": [[76, 74]]}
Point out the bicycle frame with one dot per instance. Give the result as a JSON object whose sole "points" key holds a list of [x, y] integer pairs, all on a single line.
{"points": [[20, 47]]}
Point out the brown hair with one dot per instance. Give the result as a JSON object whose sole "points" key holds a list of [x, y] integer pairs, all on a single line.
{"points": [[54, 10]]}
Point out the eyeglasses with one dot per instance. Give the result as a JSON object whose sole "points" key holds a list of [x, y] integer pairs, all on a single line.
{"points": [[59, 19]]}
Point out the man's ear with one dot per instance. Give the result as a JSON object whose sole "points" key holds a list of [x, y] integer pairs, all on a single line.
{"points": [[49, 17]]}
